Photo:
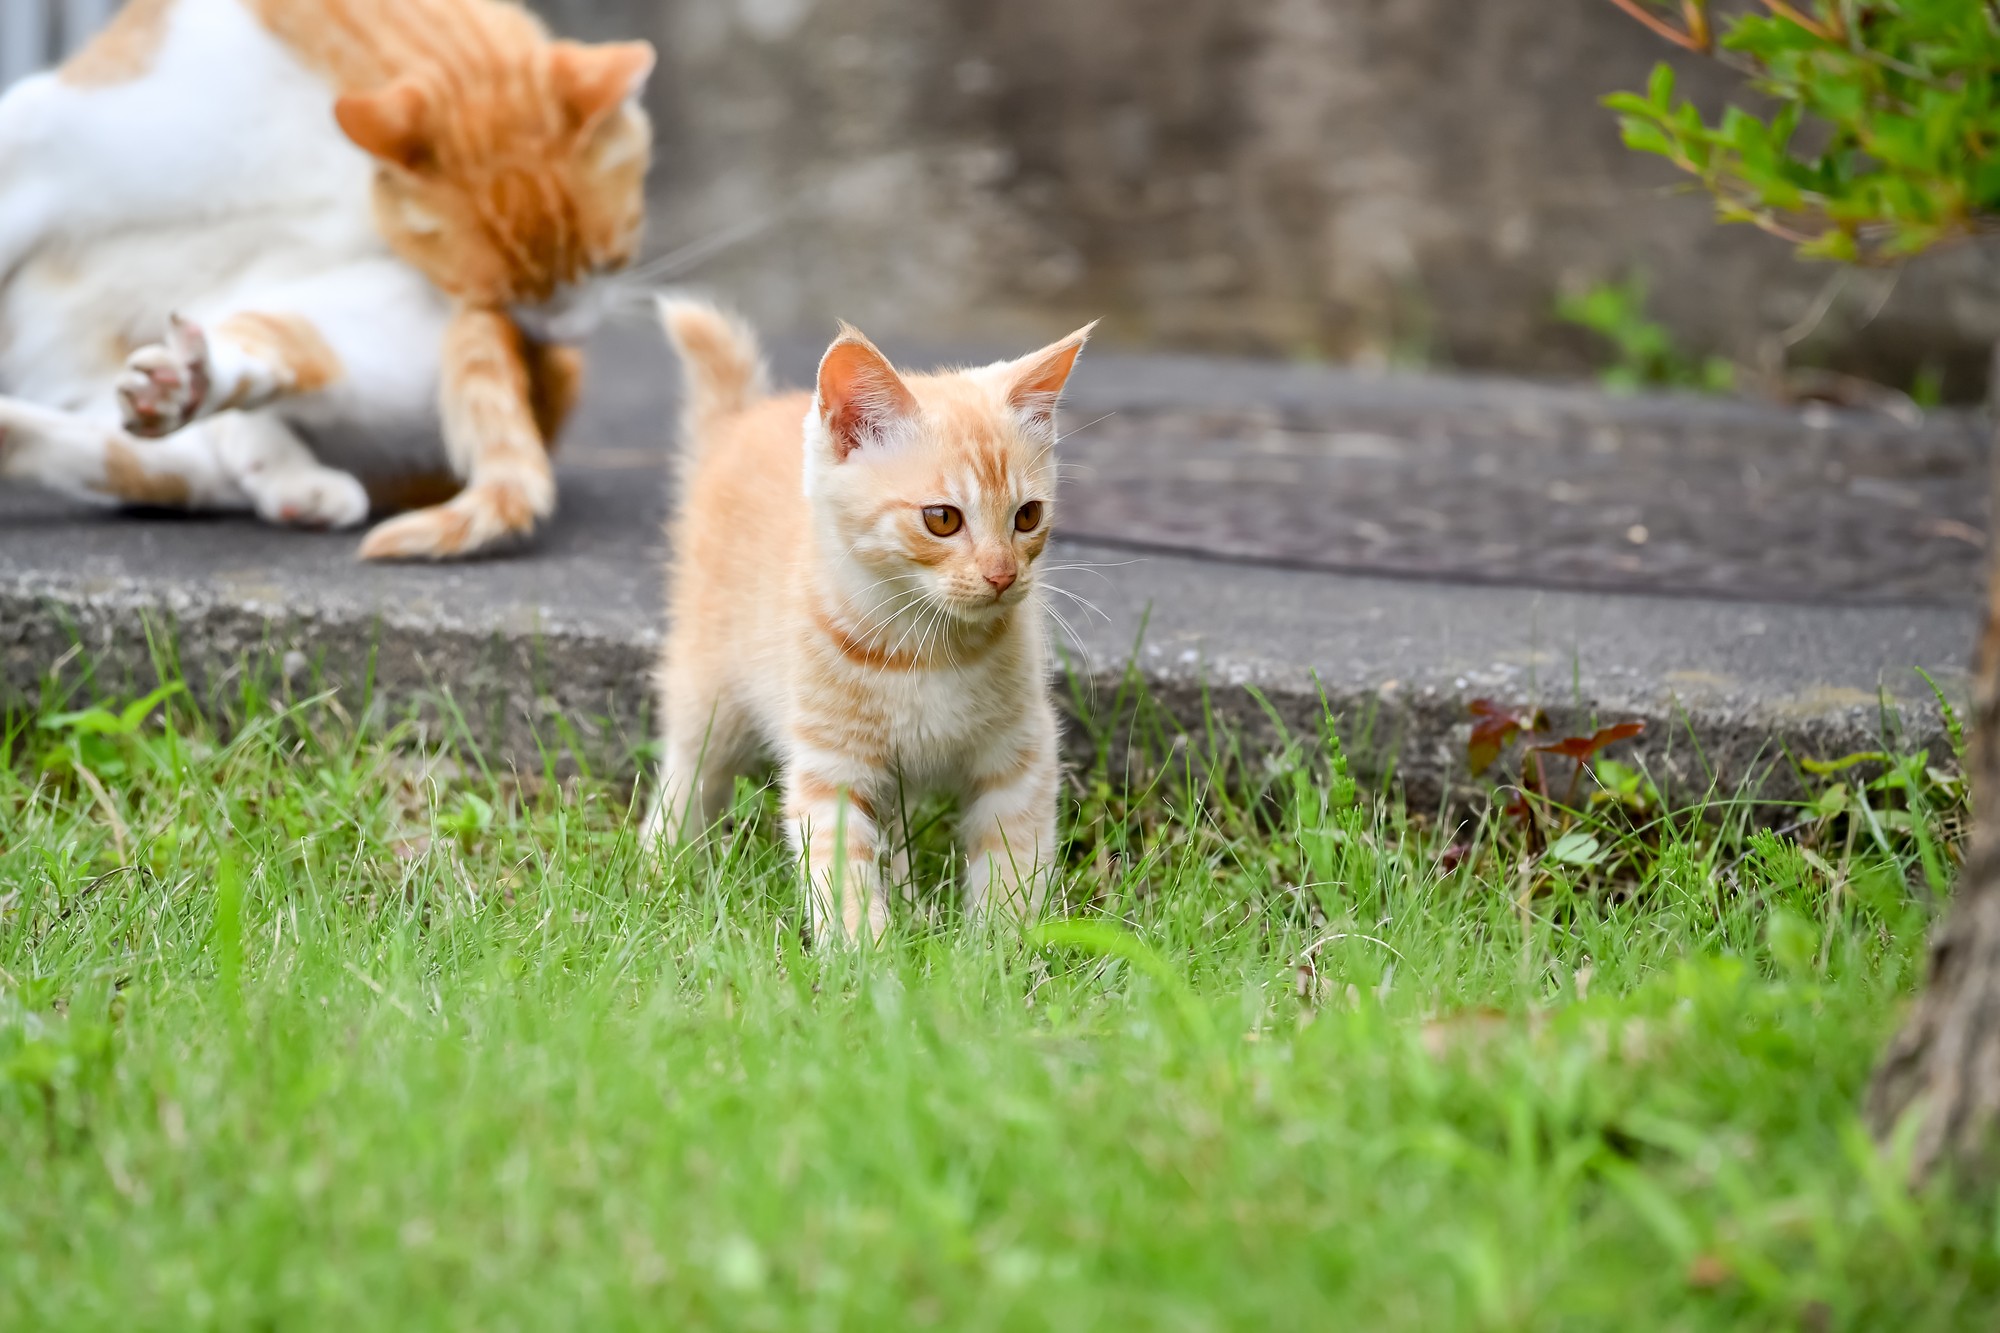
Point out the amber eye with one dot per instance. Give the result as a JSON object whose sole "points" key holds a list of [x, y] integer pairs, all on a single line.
{"points": [[943, 520], [1028, 517]]}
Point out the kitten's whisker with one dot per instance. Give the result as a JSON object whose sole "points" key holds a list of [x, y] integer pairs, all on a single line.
{"points": [[1081, 569], [1069, 632], [1083, 602], [920, 621], [684, 258], [1086, 426], [888, 616]]}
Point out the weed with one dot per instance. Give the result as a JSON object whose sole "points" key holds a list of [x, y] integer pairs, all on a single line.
{"points": [[1645, 354]]}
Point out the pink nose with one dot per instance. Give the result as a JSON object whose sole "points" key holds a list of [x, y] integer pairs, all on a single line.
{"points": [[1001, 579]]}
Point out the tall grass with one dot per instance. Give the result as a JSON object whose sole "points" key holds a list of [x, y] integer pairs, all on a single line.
{"points": [[307, 1021]]}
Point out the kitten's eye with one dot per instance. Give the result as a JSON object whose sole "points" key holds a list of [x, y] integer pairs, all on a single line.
{"points": [[943, 520], [1028, 517]]}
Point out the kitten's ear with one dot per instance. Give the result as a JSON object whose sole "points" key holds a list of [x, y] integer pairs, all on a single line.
{"points": [[861, 397], [595, 81], [391, 123], [1035, 382]]}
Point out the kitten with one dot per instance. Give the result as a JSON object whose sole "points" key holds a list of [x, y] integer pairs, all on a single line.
{"points": [[362, 222], [858, 595]]}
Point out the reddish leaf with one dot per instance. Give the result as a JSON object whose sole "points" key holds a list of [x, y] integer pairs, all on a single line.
{"points": [[1581, 748], [1493, 729], [1490, 735]]}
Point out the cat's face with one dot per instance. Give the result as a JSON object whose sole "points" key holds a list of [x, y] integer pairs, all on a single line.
{"points": [[941, 488], [517, 192]]}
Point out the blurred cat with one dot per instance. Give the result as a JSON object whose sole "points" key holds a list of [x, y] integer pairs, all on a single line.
{"points": [[360, 224], [855, 590]]}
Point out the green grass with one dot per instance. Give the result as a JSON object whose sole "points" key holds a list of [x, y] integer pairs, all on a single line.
{"points": [[304, 1026]]}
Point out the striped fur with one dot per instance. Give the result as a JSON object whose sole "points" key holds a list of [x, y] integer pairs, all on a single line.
{"points": [[817, 617], [379, 223]]}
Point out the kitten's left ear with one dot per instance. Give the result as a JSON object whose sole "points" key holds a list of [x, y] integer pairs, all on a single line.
{"points": [[1035, 382], [861, 399], [595, 81]]}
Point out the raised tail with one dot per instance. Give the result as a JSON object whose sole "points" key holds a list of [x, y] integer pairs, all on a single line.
{"points": [[722, 367]]}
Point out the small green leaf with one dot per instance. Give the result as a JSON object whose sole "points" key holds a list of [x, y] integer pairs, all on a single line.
{"points": [[1660, 87], [1576, 848], [1643, 136]]}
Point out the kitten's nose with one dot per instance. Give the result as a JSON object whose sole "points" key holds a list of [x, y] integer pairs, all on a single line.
{"points": [[1001, 579]]}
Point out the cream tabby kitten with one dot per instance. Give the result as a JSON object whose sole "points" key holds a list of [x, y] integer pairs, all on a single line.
{"points": [[858, 596]]}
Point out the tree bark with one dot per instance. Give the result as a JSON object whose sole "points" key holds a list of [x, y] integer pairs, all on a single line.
{"points": [[1945, 1063]]}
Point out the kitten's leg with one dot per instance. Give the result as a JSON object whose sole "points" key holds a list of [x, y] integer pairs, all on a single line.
{"points": [[834, 831], [1009, 826], [93, 460], [896, 835], [490, 433], [699, 759]]}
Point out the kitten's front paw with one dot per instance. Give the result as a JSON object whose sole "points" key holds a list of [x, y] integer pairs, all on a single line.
{"points": [[165, 384], [859, 919]]}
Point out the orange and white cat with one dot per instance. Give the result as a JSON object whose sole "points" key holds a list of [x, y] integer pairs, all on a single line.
{"points": [[370, 231], [855, 591]]}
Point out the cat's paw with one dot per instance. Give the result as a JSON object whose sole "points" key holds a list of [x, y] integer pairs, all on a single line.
{"points": [[478, 519], [860, 919], [166, 384], [311, 498]]}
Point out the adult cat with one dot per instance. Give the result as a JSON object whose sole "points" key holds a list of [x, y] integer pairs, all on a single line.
{"points": [[364, 224]]}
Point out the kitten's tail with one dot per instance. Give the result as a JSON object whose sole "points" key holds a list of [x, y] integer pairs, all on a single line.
{"points": [[722, 367]]}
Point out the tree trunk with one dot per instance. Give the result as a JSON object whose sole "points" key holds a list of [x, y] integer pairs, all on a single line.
{"points": [[1945, 1062]]}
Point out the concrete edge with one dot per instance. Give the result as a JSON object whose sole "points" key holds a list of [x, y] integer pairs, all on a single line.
{"points": [[517, 689]]}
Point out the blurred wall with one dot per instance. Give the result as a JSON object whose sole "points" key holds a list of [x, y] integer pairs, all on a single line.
{"points": [[1369, 180]]}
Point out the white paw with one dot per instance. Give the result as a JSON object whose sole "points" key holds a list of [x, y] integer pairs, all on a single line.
{"points": [[320, 498], [165, 384], [860, 918]]}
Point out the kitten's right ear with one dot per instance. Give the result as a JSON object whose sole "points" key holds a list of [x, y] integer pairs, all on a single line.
{"points": [[391, 123], [861, 397]]}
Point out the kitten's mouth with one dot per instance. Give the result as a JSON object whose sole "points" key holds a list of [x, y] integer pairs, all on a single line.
{"points": [[568, 317], [985, 609]]}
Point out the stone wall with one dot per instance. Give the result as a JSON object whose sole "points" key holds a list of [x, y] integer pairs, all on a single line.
{"points": [[1369, 180]]}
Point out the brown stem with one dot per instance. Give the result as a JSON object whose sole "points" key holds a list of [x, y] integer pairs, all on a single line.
{"points": [[1660, 26], [1695, 12], [1813, 26]]}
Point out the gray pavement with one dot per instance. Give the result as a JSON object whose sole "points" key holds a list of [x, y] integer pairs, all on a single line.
{"points": [[1790, 578]]}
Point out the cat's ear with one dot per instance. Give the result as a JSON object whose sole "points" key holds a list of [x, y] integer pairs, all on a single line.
{"points": [[595, 81], [392, 123], [861, 400], [1034, 384]]}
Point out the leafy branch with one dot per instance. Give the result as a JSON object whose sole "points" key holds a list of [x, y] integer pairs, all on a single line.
{"points": [[1883, 142]]}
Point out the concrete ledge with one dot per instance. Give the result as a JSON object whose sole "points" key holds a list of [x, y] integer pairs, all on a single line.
{"points": [[1725, 688]]}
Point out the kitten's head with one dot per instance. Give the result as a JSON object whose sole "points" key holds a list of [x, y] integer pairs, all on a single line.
{"points": [[514, 179], [941, 488]]}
